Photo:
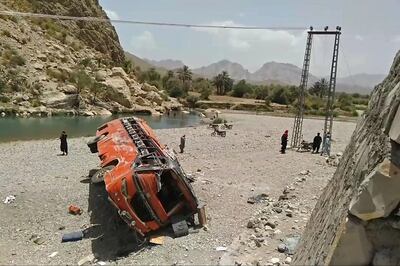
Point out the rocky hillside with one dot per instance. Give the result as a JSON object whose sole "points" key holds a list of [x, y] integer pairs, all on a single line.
{"points": [[357, 219], [67, 67]]}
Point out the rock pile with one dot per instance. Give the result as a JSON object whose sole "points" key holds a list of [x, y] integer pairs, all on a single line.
{"points": [[357, 219]]}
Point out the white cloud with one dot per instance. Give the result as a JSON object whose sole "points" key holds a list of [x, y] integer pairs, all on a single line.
{"points": [[359, 37], [111, 14], [144, 41], [248, 39]]}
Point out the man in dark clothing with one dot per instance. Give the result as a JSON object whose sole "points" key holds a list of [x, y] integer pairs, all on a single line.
{"points": [[284, 140], [64, 144], [183, 142], [316, 143]]}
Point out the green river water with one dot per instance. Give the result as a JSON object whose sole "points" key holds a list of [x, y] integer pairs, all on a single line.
{"points": [[12, 128]]}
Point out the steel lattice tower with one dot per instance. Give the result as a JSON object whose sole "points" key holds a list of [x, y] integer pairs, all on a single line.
{"points": [[297, 135], [332, 88]]}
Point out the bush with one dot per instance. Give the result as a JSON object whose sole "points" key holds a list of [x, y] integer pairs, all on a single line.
{"points": [[4, 99], [81, 79], [176, 92], [87, 62], [279, 96], [12, 58], [192, 100], [57, 74], [261, 92], [241, 88], [6, 33], [205, 93]]}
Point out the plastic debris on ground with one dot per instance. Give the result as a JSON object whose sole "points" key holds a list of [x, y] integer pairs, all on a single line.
{"points": [[9, 199]]}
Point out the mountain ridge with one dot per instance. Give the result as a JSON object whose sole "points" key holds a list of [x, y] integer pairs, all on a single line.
{"points": [[273, 73]]}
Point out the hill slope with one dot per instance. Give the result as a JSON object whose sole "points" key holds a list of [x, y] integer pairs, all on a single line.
{"points": [[66, 67]]}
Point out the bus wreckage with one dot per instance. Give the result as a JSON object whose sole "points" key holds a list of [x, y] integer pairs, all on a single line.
{"points": [[143, 178]]}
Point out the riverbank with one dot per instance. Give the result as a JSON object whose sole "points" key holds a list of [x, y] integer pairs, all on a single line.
{"points": [[227, 171]]}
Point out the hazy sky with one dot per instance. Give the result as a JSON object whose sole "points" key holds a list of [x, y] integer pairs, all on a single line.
{"points": [[370, 39]]}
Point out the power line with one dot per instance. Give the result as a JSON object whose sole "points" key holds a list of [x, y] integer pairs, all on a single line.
{"points": [[151, 23]]}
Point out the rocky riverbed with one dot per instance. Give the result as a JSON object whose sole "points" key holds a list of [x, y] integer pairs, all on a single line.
{"points": [[227, 171]]}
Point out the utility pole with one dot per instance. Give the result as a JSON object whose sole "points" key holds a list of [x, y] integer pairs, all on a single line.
{"points": [[297, 135]]}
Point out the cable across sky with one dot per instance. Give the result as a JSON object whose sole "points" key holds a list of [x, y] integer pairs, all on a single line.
{"points": [[150, 23]]}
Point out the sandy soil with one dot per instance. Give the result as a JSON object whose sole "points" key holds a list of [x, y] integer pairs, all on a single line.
{"points": [[228, 171]]}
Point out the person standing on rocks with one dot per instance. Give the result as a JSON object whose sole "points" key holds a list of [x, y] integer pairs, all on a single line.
{"points": [[64, 144], [317, 143], [183, 142], [284, 140]]}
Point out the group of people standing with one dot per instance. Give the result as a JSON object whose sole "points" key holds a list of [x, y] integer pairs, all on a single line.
{"points": [[316, 145]]}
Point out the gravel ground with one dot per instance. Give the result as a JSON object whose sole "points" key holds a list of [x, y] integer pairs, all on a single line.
{"points": [[228, 171]]}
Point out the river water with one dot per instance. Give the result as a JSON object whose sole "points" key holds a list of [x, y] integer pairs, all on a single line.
{"points": [[12, 128]]}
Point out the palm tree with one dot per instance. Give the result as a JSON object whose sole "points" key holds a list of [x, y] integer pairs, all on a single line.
{"points": [[184, 74], [167, 77], [222, 82]]}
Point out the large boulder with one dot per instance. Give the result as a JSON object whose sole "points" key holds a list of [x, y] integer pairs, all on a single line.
{"points": [[68, 89], [118, 72], [154, 97], [101, 75], [379, 193], [148, 87], [121, 92], [58, 100], [141, 101], [354, 247]]}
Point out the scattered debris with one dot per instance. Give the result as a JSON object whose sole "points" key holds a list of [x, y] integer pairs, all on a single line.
{"points": [[9, 199], [72, 237], [88, 259], [53, 254], [291, 244], [37, 239], [288, 260], [221, 248], [305, 172], [282, 248], [275, 260], [157, 240], [258, 199], [75, 210]]}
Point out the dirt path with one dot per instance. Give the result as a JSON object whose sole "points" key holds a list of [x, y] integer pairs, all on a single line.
{"points": [[228, 171]]}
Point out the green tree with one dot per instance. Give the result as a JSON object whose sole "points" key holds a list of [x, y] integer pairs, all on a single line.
{"points": [[223, 83], [81, 80], [184, 74], [279, 95], [168, 76], [96, 89], [261, 92], [128, 66], [242, 88], [319, 88], [192, 100]]}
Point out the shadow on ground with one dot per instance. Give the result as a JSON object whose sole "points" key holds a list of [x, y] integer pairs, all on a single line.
{"points": [[111, 237]]}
